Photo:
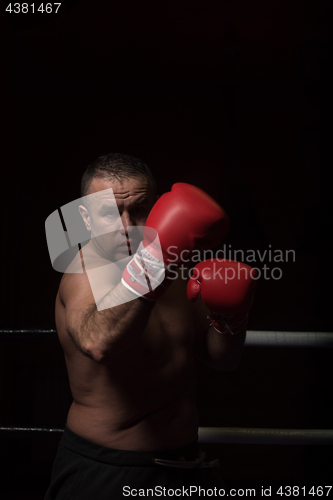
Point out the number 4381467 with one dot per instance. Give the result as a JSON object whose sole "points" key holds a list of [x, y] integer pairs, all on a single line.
{"points": [[25, 8]]}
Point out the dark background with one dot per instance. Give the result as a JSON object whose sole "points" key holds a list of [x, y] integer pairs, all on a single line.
{"points": [[232, 96]]}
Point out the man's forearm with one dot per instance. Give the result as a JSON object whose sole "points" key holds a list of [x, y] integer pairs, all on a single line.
{"points": [[112, 330], [222, 351]]}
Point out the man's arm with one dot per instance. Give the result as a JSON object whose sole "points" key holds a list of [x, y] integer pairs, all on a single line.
{"points": [[102, 335], [214, 349]]}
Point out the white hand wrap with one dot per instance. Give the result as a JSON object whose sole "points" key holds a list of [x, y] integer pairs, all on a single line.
{"points": [[144, 273]]}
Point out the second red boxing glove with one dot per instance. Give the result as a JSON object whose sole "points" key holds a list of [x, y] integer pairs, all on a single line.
{"points": [[227, 288]]}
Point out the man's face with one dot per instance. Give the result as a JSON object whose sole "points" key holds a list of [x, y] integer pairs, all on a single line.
{"points": [[115, 221]]}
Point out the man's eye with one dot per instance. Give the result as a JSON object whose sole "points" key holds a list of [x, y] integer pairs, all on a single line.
{"points": [[112, 214]]}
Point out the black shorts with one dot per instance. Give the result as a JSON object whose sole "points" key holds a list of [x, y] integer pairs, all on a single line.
{"points": [[85, 470]]}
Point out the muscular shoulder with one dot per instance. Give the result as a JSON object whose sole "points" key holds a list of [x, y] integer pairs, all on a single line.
{"points": [[72, 277], [72, 285], [74, 292]]}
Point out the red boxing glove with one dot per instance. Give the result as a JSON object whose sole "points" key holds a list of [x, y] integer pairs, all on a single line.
{"points": [[227, 288], [184, 219]]}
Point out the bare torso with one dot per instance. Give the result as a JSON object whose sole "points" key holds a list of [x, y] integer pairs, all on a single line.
{"points": [[145, 399]]}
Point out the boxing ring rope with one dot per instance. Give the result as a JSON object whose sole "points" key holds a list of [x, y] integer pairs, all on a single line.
{"points": [[253, 337], [289, 339], [238, 435], [207, 435]]}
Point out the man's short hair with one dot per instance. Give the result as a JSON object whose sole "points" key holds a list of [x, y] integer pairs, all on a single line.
{"points": [[116, 166]]}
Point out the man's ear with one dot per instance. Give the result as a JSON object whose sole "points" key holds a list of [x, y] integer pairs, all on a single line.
{"points": [[85, 216]]}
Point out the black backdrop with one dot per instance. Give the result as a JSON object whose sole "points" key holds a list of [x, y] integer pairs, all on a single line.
{"points": [[234, 97]]}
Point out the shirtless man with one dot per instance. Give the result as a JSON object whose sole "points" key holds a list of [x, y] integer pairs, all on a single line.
{"points": [[131, 367]]}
